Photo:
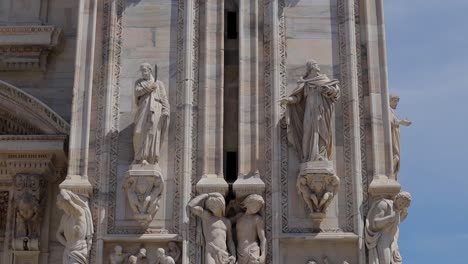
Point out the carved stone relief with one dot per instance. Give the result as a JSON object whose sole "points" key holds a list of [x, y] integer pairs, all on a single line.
{"points": [[118, 257], [29, 204], [382, 228], [308, 118], [162, 258], [395, 125], [214, 231], [76, 228], [144, 188]]}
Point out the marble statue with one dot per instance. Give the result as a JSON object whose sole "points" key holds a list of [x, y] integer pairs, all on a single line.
{"points": [[395, 125], [162, 258], [76, 228], [216, 228], [382, 227], [309, 114], [144, 193], [118, 257], [251, 239], [152, 117], [138, 257], [174, 251], [29, 203]]}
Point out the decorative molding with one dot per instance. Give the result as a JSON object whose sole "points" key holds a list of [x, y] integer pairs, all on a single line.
{"points": [[26, 48], [4, 198], [39, 115]]}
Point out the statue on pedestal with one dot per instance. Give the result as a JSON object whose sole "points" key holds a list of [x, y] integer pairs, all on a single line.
{"points": [[309, 113], [395, 123], [76, 228], [215, 228], [152, 117], [144, 182], [382, 228]]}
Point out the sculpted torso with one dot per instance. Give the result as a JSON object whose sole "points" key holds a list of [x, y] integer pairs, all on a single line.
{"points": [[215, 230], [247, 235], [73, 230]]}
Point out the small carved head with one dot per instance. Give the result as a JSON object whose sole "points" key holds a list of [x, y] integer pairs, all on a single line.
{"points": [[146, 71], [118, 250], [216, 204], [402, 201], [253, 203], [312, 67], [394, 99], [160, 253], [311, 262]]}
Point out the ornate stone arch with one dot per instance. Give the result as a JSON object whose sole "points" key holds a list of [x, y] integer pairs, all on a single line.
{"points": [[23, 114]]}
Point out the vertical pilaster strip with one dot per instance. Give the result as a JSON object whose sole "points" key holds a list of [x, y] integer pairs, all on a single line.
{"points": [[382, 162], [351, 111], [273, 62], [77, 178], [248, 87]]}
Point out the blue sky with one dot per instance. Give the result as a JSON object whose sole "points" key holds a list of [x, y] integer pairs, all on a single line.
{"points": [[427, 47]]}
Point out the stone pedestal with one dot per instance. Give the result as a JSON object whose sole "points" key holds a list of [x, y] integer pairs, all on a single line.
{"points": [[25, 257], [144, 185], [212, 183], [246, 185], [317, 184]]}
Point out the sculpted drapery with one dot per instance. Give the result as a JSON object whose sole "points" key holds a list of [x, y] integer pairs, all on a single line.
{"points": [[152, 117], [309, 112]]}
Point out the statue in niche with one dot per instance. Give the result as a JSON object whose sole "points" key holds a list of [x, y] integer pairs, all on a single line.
{"points": [[215, 228], [382, 228], [309, 114], [152, 116], [29, 203], [174, 251], [76, 228], [395, 125], [144, 193], [251, 239], [162, 258]]}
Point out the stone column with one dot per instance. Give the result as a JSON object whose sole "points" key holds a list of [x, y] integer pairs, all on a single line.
{"points": [[77, 177], [211, 97], [249, 100], [383, 182]]}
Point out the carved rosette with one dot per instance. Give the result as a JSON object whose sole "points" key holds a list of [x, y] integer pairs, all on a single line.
{"points": [[144, 185], [317, 184], [29, 204]]}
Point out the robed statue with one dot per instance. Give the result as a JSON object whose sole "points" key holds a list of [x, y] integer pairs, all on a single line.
{"points": [[152, 117], [309, 112], [395, 123]]}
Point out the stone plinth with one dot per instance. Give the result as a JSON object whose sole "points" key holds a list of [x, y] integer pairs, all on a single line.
{"points": [[212, 183], [245, 185], [26, 257]]}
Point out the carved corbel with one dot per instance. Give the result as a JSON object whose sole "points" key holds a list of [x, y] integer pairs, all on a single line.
{"points": [[144, 188]]}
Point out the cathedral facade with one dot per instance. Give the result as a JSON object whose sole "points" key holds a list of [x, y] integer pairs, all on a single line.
{"points": [[198, 131]]}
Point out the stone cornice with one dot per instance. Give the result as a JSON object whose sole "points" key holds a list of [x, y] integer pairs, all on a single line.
{"points": [[26, 48]]}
